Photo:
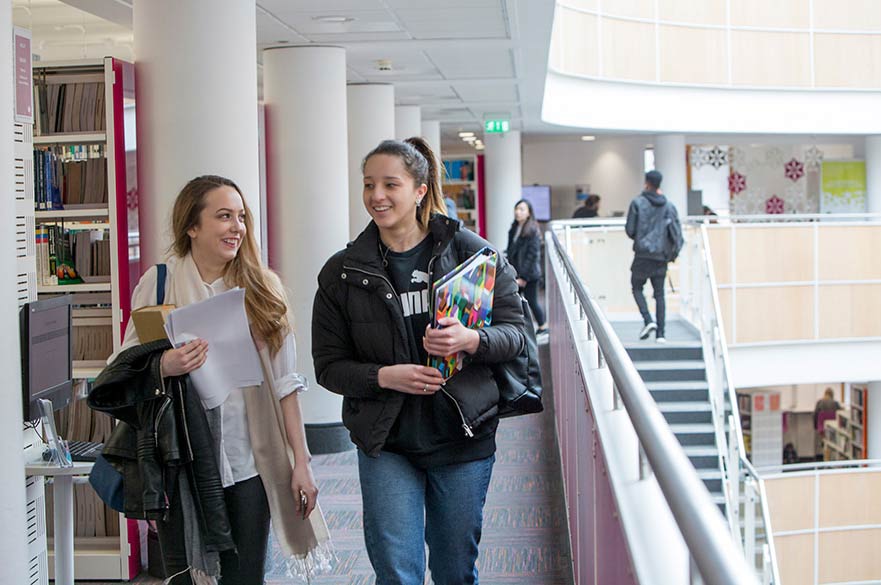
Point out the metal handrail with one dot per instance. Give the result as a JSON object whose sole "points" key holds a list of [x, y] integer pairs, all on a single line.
{"points": [[715, 554], [742, 465]]}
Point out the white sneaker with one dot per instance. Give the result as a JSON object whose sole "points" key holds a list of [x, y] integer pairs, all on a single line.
{"points": [[647, 330], [660, 340]]}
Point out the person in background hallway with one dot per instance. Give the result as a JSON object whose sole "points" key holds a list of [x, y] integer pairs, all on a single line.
{"points": [[653, 225], [254, 432], [524, 254], [591, 207], [426, 446], [824, 410]]}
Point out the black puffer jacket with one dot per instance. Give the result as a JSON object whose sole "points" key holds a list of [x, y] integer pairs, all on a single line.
{"points": [[358, 326], [524, 253], [162, 431]]}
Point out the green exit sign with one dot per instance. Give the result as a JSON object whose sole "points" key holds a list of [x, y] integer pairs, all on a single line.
{"points": [[496, 126]]}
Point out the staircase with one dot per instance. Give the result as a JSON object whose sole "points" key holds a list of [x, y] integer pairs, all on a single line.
{"points": [[674, 374]]}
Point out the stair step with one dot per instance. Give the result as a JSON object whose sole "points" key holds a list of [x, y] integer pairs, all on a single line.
{"points": [[671, 370], [702, 456], [694, 434], [686, 411], [670, 351]]}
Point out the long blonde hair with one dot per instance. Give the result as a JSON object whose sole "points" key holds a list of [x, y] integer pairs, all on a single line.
{"points": [[420, 163], [265, 300]]}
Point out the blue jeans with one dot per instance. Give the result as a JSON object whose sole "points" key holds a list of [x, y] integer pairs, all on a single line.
{"points": [[405, 505]]}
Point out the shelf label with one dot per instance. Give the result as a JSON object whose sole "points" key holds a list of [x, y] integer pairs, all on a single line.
{"points": [[24, 92]]}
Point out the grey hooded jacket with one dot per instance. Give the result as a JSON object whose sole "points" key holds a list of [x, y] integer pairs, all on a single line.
{"points": [[653, 225]]}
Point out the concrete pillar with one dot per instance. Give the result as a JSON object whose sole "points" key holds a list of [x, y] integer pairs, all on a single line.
{"points": [[873, 174], [504, 183], [432, 134], [13, 536], [873, 421], [371, 112], [304, 92], [670, 161], [197, 105], [408, 122]]}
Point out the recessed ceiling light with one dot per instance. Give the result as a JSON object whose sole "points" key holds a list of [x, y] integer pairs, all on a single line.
{"points": [[588, 138], [333, 19], [469, 139], [465, 134], [479, 147]]}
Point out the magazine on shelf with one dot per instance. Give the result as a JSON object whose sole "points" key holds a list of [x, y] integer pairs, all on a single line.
{"points": [[466, 293]]}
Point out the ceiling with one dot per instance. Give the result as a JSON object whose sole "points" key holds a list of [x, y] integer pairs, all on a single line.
{"points": [[461, 60]]}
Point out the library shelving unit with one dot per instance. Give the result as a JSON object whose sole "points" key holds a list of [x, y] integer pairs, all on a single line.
{"points": [[761, 419], [90, 120], [844, 437], [461, 183]]}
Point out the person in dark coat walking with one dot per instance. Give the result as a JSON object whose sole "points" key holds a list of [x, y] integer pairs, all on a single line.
{"points": [[653, 225], [426, 445], [524, 254]]}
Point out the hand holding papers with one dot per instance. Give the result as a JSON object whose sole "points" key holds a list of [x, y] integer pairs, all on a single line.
{"points": [[465, 293], [232, 360]]}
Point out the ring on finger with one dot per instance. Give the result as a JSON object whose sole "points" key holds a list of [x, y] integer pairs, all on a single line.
{"points": [[425, 388]]}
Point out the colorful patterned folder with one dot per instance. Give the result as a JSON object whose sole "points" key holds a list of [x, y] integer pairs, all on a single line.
{"points": [[466, 293]]}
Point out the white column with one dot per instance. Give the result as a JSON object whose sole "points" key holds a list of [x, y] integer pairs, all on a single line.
{"points": [[304, 91], [13, 536], [873, 174], [504, 183], [197, 105], [670, 161], [371, 111], [432, 134], [873, 421], [408, 122]]}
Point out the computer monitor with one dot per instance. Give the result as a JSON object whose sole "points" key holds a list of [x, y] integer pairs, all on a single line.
{"points": [[46, 354], [540, 198]]}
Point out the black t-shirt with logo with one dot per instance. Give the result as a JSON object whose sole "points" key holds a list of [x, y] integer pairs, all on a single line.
{"points": [[427, 430], [409, 275]]}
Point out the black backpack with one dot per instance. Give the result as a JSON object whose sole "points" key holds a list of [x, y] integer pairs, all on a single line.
{"points": [[519, 379]]}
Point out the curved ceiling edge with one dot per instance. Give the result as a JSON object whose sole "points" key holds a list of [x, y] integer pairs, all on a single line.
{"points": [[604, 105]]}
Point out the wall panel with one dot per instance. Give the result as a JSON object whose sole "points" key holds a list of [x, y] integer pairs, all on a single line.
{"points": [[628, 50], [850, 311], [693, 55], [784, 254], [770, 58], [775, 314], [843, 253], [847, 60]]}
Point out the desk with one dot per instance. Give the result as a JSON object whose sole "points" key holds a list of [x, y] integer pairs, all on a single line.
{"points": [[63, 512]]}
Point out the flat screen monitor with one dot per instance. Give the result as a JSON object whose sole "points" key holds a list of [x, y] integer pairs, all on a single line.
{"points": [[540, 198], [46, 354]]}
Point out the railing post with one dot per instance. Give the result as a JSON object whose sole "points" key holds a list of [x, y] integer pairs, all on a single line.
{"points": [[749, 549], [766, 565], [645, 470], [694, 574], [616, 397], [734, 482]]}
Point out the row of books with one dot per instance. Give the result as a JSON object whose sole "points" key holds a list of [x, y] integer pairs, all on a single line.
{"points": [[66, 256], [92, 342], [68, 107], [60, 180]]}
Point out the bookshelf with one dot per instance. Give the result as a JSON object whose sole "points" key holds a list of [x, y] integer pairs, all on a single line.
{"points": [[461, 184], [85, 195], [761, 420]]}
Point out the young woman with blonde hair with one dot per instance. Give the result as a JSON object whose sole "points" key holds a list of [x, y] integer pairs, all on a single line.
{"points": [[261, 458]]}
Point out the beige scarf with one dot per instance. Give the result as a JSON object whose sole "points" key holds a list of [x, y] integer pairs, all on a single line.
{"points": [[305, 543]]}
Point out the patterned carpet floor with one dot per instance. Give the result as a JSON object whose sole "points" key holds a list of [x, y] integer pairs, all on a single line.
{"points": [[524, 538]]}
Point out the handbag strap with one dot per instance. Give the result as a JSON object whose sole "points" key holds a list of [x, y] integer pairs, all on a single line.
{"points": [[161, 273]]}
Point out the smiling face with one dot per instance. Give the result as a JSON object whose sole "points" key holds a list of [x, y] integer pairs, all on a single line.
{"points": [[390, 193], [218, 235]]}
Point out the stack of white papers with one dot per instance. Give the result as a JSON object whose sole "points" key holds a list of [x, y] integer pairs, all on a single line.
{"points": [[232, 360]]}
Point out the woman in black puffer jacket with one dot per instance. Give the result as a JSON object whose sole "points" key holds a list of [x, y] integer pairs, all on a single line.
{"points": [[524, 254], [426, 446]]}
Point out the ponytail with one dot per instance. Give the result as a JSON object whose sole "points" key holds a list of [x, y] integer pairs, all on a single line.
{"points": [[433, 202]]}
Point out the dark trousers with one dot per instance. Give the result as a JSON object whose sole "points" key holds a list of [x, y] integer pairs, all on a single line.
{"points": [[531, 294], [656, 272], [248, 512]]}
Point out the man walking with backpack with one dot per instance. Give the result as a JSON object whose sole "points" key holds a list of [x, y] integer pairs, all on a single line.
{"points": [[653, 225]]}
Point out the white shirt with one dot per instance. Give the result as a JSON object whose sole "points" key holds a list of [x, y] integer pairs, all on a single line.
{"points": [[236, 459]]}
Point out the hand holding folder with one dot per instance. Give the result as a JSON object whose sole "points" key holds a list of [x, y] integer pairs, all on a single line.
{"points": [[465, 293]]}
